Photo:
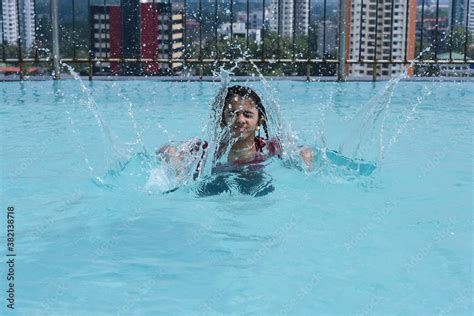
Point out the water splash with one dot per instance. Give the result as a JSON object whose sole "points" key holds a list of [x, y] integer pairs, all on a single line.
{"points": [[369, 122], [168, 175], [131, 114], [117, 156], [93, 108]]}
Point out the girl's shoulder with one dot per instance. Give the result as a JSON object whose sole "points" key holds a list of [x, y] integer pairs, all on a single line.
{"points": [[272, 146]]}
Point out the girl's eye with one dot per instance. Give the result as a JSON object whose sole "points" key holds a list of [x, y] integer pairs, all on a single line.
{"points": [[234, 113]]}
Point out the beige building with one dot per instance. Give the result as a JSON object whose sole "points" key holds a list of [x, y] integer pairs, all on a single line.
{"points": [[289, 11], [382, 32], [14, 28]]}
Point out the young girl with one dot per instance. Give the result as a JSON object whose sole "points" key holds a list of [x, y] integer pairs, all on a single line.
{"points": [[242, 121]]}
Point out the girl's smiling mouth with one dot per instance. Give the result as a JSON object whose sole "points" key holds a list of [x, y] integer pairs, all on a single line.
{"points": [[240, 129]]}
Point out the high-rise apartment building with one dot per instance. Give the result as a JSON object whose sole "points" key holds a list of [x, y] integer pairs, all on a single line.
{"points": [[430, 27], [288, 13], [137, 29], [29, 28], [239, 30], [130, 36], [255, 18], [457, 12], [471, 17], [326, 37], [106, 33], [10, 21], [176, 41], [19, 23], [381, 31]]}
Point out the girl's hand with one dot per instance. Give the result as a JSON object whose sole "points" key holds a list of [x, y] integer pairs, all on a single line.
{"points": [[167, 152], [307, 156], [189, 149]]}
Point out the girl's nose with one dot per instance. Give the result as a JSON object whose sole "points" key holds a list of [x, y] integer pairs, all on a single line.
{"points": [[240, 117]]}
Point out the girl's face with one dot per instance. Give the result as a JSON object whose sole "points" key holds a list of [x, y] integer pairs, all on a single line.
{"points": [[241, 116]]}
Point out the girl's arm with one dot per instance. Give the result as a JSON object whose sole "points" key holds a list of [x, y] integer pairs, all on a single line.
{"points": [[306, 153]]}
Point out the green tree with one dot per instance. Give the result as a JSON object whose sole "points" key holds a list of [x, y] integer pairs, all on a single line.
{"points": [[457, 41], [274, 49]]}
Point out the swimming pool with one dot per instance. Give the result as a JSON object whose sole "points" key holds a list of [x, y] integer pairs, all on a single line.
{"points": [[90, 238]]}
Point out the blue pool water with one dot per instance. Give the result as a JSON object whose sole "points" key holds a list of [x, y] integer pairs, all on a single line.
{"points": [[383, 225]]}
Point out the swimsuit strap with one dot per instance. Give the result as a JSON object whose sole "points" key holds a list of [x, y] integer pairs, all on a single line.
{"points": [[259, 143]]}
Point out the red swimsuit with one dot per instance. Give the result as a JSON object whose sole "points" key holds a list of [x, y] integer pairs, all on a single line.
{"points": [[265, 149]]}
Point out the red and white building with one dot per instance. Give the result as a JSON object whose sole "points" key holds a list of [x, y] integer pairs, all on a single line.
{"points": [[137, 29]]}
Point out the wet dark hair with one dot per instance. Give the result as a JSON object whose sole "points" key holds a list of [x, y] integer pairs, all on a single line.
{"points": [[246, 92]]}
